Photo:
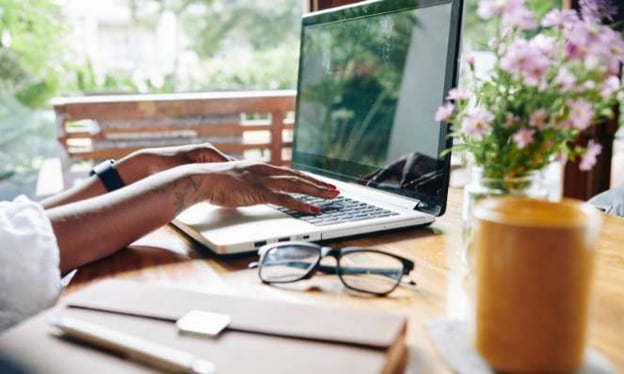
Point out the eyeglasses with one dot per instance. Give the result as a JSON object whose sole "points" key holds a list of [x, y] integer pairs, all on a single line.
{"points": [[360, 269]]}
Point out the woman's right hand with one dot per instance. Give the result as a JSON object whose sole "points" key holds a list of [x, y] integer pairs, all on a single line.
{"points": [[244, 183]]}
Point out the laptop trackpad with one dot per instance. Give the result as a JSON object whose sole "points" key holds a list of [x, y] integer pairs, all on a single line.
{"points": [[222, 225]]}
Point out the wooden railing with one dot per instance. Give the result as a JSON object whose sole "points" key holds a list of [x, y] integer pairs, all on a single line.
{"points": [[244, 124]]}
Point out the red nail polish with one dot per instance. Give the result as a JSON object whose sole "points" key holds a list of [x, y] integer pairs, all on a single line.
{"points": [[315, 209]]}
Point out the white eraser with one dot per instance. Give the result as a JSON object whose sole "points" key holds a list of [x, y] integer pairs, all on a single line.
{"points": [[203, 323]]}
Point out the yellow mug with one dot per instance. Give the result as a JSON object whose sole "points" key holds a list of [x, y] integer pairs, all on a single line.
{"points": [[533, 264]]}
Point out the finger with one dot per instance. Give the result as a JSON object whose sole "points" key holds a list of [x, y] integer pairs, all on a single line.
{"points": [[271, 170], [290, 202], [298, 185]]}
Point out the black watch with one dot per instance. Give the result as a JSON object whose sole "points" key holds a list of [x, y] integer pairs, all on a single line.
{"points": [[108, 175]]}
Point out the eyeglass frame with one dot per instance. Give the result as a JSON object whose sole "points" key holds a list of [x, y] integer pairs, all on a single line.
{"points": [[337, 253]]}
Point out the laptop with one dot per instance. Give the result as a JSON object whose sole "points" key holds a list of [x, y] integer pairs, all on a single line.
{"points": [[371, 77]]}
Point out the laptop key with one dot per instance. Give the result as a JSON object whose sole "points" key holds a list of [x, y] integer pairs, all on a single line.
{"points": [[338, 210]]}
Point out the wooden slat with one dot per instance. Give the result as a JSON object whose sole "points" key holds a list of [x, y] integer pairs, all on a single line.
{"points": [[121, 152], [128, 107], [217, 130]]}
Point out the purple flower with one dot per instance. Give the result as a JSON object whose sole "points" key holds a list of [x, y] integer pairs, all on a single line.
{"points": [[581, 113], [596, 44], [538, 119], [469, 59], [523, 60], [523, 137], [561, 157], [565, 79], [596, 10], [476, 123], [589, 158], [546, 45], [617, 49], [574, 50], [445, 112], [517, 15], [490, 8], [560, 18], [536, 71], [513, 12], [610, 86], [459, 94]]}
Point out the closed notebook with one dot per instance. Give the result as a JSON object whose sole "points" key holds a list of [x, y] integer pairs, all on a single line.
{"points": [[264, 336]]}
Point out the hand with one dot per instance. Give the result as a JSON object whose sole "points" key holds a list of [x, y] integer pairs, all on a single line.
{"points": [[144, 162], [245, 183]]}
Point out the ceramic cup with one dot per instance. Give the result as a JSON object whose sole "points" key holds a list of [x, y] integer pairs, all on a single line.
{"points": [[533, 267]]}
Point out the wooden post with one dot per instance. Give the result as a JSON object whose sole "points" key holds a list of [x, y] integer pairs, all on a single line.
{"points": [[277, 125]]}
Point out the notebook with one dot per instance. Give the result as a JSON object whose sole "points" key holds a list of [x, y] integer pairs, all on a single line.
{"points": [[371, 77], [264, 336]]}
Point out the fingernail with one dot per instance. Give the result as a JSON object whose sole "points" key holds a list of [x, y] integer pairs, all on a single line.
{"points": [[332, 187], [315, 209]]}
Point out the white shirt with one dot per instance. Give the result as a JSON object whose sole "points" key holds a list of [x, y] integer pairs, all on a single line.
{"points": [[29, 261]]}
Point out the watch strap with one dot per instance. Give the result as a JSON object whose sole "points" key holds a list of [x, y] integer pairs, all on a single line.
{"points": [[108, 175]]}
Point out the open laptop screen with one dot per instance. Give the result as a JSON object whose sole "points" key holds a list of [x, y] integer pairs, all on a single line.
{"points": [[370, 80]]}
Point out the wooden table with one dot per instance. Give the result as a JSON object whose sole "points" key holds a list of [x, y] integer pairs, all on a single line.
{"points": [[168, 257]]}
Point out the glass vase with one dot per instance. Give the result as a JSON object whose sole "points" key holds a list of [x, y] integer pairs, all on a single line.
{"points": [[532, 185]]}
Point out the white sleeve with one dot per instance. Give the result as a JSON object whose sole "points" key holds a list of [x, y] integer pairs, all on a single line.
{"points": [[29, 260]]}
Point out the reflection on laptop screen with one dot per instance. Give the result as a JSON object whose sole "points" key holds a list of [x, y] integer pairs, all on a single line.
{"points": [[369, 85]]}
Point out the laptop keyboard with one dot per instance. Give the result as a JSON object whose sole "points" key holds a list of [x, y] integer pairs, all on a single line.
{"points": [[338, 210]]}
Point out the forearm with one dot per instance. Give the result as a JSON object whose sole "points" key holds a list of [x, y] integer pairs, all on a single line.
{"points": [[130, 169], [94, 228]]}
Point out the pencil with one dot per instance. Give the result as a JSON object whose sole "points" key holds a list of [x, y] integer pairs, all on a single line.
{"points": [[133, 347]]}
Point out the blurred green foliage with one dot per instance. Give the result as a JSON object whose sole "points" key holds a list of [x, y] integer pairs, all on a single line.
{"points": [[30, 64], [29, 50], [217, 28]]}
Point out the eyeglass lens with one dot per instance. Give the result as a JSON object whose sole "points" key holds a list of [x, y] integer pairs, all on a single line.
{"points": [[362, 270], [288, 263], [370, 271]]}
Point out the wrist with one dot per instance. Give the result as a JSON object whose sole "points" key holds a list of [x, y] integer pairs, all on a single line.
{"points": [[140, 164], [189, 185], [108, 175], [144, 162], [130, 168]]}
